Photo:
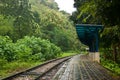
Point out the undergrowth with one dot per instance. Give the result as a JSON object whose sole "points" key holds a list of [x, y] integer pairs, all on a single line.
{"points": [[111, 65]]}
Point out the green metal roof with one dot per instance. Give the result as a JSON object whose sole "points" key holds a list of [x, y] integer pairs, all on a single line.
{"points": [[87, 28]]}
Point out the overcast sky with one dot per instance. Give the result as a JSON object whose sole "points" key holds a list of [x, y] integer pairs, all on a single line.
{"points": [[66, 5]]}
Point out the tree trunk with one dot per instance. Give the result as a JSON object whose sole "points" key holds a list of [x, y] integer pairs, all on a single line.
{"points": [[115, 53]]}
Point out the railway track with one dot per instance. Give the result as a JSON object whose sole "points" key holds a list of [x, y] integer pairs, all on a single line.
{"points": [[38, 72]]}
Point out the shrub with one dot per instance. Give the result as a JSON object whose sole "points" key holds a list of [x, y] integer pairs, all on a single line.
{"points": [[40, 49], [6, 48], [28, 48]]}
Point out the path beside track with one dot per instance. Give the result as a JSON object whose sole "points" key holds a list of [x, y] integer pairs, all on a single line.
{"points": [[81, 68]]}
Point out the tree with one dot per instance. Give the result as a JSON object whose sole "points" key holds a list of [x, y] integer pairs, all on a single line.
{"points": [[12, 7], [25, 21], [56, 26], [50, 3], [108, 10], [85, 13], [106, 13]]}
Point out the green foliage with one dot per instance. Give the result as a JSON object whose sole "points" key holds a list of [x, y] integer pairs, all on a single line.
{"points": [[56, 27], [6, 48], [64, 54], [6, 27], [50, 3], [86, 12], [101, 11], [108, 11], [111, 35], [16, 66], [22, 52], [12, 7], [2, 63], [110, 41], [111, 66], [24, 21], [42, 22], [29, 48], [40, 19], [41, 49]]}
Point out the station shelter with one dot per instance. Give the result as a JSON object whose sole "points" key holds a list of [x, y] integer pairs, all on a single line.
{"points": [[88, 34]]}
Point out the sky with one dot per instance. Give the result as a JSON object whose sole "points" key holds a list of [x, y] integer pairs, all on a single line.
{"points": [[66, 5]]}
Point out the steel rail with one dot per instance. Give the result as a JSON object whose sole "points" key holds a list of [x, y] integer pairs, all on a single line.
{"points": [[31, 69]]}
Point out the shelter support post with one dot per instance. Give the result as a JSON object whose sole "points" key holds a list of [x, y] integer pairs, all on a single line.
{"points": [[94, 56]]}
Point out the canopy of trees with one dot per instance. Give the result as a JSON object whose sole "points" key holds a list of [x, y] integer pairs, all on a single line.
{"points": [[39, 18]]}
